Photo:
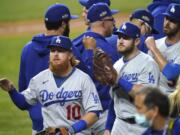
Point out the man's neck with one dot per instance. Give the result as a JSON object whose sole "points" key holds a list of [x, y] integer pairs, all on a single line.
{"points": [[63, 72], [52, 32], [159, 123], [131, 55], [98, 30], [173, 39]]}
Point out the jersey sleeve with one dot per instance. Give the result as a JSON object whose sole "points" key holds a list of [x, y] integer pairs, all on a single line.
{"points": [[150, 75], [30, 93], [90, 101]]}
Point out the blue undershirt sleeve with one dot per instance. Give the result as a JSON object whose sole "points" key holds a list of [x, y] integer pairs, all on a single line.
{"points": [[111, 116], [171, 71], [19, 100]]}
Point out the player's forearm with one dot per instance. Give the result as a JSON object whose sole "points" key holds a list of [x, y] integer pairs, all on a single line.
{"points": [[90, 118], [86, 121], [18, 99], [128, 87], [161, 61]]}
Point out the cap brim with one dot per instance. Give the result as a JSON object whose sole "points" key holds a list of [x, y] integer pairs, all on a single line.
{"points": [[119, 32], [166, 14], [74, 16], [56, 46], [114, 11], [83, 2]]}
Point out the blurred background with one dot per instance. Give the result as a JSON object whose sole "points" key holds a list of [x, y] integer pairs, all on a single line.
{"points": [[19, 21]]}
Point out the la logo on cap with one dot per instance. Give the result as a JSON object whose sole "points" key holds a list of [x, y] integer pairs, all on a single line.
{"points": [[65, 16], [172, 9], [124, 27], [146, 18], [103, 13], [58, 40]]}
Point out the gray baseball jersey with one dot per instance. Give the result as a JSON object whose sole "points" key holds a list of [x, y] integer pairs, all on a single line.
{"points": [[142, 69], [62, 106], [171, 54]]}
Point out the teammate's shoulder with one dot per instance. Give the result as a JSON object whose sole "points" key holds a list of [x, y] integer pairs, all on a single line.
{"points": [[80, 73], [147, 59], [145, 56], [160, 41]]}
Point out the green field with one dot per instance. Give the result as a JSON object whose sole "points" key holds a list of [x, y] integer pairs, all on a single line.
{"points": [[12, 120], [13, 10]]}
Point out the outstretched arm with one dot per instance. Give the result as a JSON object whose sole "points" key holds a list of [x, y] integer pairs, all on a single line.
{"points": [[17, 98], [170, 70]]}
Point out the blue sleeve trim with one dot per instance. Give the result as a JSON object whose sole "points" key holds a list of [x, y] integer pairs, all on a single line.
{"points": [[79, 126], [19, 100], [171, 71], [111, 116], [127, 86]]}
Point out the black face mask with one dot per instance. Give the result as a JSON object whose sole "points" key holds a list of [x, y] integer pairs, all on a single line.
{"points": [[66, 31]]}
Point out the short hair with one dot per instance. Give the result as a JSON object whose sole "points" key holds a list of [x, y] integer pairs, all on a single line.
{"points": [[54, 25], [154, 97]]}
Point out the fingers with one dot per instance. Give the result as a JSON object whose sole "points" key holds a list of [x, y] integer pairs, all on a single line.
{"points": [[89, 42]]}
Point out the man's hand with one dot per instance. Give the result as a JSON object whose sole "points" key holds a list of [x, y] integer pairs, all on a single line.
{"points": [[6, 84], [89, 43]]}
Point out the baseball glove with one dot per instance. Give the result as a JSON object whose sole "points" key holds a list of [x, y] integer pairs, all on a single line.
{"points": [[103, 68], [57, 131]]}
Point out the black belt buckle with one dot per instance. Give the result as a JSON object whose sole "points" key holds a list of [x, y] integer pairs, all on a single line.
{"points": [[129, 120]]}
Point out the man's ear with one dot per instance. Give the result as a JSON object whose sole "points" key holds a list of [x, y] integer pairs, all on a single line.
{"points": [[137, 41], [63, 24]]}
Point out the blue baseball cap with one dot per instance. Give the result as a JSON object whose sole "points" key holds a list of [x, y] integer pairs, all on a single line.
{"points": [[58, 12], [145, 16], [89, 3], [61, 41], [173, 11], [97, 12], [129, 30]]}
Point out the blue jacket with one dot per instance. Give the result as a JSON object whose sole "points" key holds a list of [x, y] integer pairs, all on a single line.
{"points": [[34, 58], [175, 129], [86, 56]]}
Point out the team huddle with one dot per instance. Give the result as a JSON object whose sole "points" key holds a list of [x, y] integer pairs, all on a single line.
{"points": [[106, 81]]}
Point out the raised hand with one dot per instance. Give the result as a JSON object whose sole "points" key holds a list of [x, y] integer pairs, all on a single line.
{"points": [[89, 43], [6, 84]]}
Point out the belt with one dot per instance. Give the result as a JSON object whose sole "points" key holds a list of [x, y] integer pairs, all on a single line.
{"points": [[129, 120]]}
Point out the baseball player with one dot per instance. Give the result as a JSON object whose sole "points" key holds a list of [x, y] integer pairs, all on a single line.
{"points": [[35, 54], [145, 21], [111, 39], [166, 50], [135, 70], [157, 7], [101, 23], [67, 95]]}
